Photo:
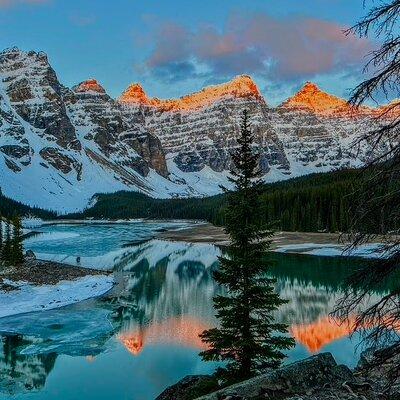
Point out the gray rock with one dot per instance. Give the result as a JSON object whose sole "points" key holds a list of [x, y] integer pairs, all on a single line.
{"points": [[30, 255], [117, 135], [366, 358], [189, 387], [293, 379]]}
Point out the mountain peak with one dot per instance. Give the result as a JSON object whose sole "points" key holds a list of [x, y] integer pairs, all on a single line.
{"points": [[135, 94], [310, 87], [312, 98], [10, 50], [13, 54], [89, 86], [241, 86]]}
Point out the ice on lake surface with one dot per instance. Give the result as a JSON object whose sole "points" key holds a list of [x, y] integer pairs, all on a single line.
{"points": [[142, 337], [96, 244]]}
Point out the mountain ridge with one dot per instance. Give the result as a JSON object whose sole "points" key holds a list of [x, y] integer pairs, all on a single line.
{"points": [[311, 98], [60, 146], [238, 87]]}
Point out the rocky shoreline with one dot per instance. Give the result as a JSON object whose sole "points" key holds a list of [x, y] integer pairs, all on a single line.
{"points": [[41, 272], [38, 285], [316, 378]]}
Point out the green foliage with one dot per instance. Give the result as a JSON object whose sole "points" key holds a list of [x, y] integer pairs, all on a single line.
{"points": [[6, 246], [17, 251], [248, 338], [11, 248], [317, 202], [137, 205], [11, 237], [10, 208]]}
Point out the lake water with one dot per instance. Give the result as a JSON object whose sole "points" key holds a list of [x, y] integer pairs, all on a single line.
{"points": [[143, 336]]}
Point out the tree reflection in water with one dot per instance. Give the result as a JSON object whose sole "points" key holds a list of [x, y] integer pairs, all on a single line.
{"points": [[172, 295], [164, 297]]}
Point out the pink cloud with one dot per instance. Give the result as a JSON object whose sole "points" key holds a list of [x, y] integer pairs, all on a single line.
{"points": [[283, 49], [172, 43]]}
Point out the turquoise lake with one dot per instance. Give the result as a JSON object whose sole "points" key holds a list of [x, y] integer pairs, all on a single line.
{"points": [[143, 335]]}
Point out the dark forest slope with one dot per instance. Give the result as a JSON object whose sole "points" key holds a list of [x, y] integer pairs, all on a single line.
{"points": [[311, 203], [9, 208]]}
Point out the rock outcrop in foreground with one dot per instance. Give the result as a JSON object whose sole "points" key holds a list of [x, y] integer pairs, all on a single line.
{"points": [[315, 378]]}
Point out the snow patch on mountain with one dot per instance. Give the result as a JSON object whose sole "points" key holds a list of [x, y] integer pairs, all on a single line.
{"points": [[60, 146]]}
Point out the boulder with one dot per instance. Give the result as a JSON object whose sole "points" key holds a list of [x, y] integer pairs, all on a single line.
{"points": [[291, 380], [189, 388], [30, 255], [366, 358]]}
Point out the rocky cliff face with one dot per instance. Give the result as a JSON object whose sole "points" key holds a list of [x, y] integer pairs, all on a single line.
{"points": [[32, 109], [60, 146], [312, 131], [199, 130], [315, 378], [100, 121]]}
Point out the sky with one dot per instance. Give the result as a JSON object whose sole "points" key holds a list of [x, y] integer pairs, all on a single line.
{"points": [[175, 47]]}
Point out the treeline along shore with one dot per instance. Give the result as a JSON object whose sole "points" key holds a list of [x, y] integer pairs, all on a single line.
{"points": [[320, 202], [314, 203]]}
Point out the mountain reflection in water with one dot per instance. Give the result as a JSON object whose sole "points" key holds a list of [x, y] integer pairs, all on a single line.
{"points": [[21, 372], [162, 303], [183, 330], [318, 334]]}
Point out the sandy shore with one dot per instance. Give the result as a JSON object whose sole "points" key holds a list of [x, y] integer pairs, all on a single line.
{"points": [[318, 244], [208, 233]]}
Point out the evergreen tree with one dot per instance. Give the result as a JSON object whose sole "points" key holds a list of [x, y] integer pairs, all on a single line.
{"points": [[6, 250], [17, 251], [1, 237], [248, 338]]}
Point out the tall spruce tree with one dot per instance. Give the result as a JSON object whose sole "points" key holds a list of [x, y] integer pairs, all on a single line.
{"points": [[1, 238], [248, 338], [17, 251], [6, 249]]}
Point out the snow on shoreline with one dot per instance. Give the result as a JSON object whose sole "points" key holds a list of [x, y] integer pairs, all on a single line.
{"points": [[30, 298], [371, 250]]}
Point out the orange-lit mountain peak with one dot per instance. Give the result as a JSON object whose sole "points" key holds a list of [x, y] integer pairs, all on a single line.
{"points": [[310, 87], [312, 98], [135, 95], [91, 85], [240, 87], [389, 111]]}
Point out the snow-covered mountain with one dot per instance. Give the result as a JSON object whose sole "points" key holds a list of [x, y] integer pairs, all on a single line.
{"points": [[60, 146]]}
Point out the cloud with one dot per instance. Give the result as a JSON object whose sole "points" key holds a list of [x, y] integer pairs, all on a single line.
{"points": [[10, 3], [279, 49]]}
